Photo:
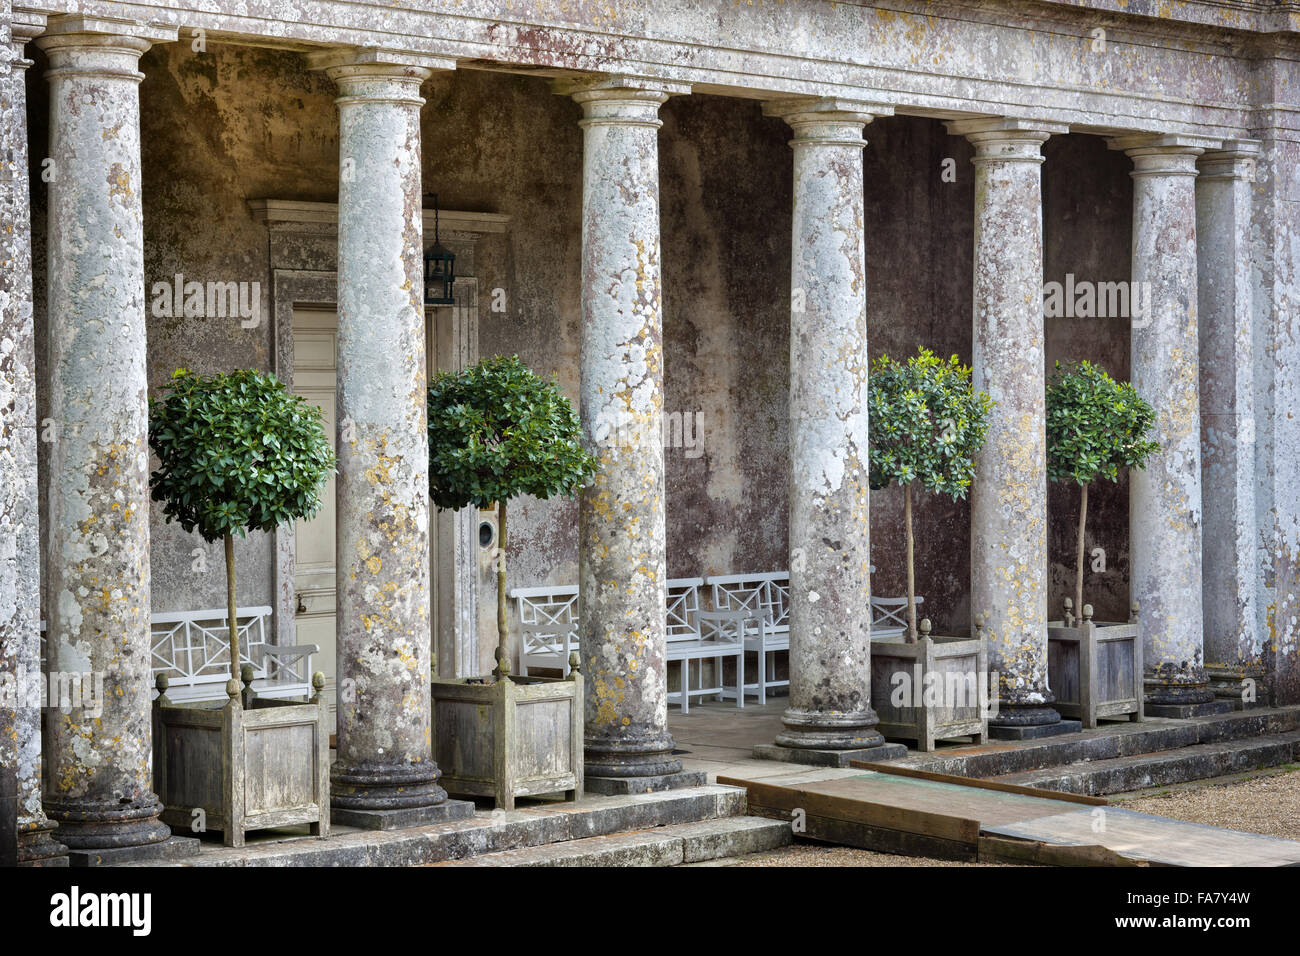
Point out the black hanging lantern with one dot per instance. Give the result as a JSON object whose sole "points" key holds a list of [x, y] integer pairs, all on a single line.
{"points": [[439, 268]]}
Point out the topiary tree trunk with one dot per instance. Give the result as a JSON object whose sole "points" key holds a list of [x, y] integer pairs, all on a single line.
{"points": [[1078, 564], [230, 606]]}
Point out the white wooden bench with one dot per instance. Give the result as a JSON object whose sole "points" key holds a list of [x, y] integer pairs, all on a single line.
{"points": [[696, 635], [766, 596], [889, 616], [193, 649], [548, 619]]}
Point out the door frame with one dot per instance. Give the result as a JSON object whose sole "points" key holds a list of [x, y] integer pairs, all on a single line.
{"points": [[454, 605]]}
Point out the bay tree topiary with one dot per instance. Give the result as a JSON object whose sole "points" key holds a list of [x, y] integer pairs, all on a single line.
{"points": [[237, 452], [496, 431], [926, 423], [1095, 426]]}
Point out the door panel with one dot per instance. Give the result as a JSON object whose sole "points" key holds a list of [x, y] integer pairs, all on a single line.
{"points": [[314, 336]]}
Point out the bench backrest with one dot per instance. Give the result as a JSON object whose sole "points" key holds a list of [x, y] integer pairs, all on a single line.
{"points": [[767, 594], [548, 617], [890, 612], [193, 647], [683, 609]]}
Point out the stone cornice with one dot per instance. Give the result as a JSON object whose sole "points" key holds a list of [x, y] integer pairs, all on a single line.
{"points": [[324, 216], [922, 59]]}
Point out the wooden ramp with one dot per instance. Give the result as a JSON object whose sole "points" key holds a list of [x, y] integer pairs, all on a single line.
{"points": [[898, 810]]}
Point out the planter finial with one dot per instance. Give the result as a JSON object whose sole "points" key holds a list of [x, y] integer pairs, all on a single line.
{"points": [[1087, 612], [979, 626], [162, 682], [925, 627], [232, 689], [1133, 612], [318, 685], [1068, 615], [574, 663]]}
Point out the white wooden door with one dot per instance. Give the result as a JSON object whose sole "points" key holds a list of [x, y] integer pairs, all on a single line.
{"points": [[314, 334]]}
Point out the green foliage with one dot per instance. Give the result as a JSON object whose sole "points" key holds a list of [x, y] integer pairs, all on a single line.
{"points": [[926, 422], [1095, 425], [496, 430], [237, 452]]}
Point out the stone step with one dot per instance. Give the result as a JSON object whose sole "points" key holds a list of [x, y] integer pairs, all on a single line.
{"points": [[683, 843], [486, 832], [1108, 742], [1143, 770]]}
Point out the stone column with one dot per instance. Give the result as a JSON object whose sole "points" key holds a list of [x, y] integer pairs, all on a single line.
{"points": [[830, 717], [621, 536], [1275, 262], [1009, 492], [20, 650], [385, 775], [1223, 211], [1165, 497], [99, 771]]}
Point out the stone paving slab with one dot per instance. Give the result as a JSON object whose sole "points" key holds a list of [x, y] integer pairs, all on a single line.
{"points": [[665, 846], [485, 832]]}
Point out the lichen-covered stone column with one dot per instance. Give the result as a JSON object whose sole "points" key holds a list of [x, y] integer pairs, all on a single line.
{"points": [[621, 533], [1225, 297], [385, 774], [1009, 494], [830, 580], [99, 764], [20, 650], [1165, 497], [1275, 262]]}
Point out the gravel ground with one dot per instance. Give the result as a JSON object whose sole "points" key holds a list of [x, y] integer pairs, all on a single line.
{"points": [[1266, 804], [1269, 804], [811, 854]]}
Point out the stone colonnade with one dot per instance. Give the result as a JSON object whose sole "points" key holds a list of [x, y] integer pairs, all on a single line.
{"points": [[1190, 242]]}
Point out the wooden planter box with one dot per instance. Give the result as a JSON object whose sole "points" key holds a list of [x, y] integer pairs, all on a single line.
{"points": [[517, 737], [245, 769], [954, 662], [1095, 669]]}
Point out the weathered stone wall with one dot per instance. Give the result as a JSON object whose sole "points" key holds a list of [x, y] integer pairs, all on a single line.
{"points": [[234, 123]]}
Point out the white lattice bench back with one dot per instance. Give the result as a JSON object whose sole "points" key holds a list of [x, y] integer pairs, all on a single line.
{"points": [[548, 618]]}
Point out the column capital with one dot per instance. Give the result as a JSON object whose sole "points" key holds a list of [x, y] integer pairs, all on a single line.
{"points": [[595, 86], [1006, 138], [104, 46], [801, 112], [1234, 161], [380, 61], [1162, 154]]}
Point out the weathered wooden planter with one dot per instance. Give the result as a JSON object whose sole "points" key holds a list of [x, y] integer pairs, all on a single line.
{"points": [[1095, 669], [942, 694], [246, 765], [508, 738]]}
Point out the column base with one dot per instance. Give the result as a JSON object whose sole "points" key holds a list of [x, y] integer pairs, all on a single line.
{"points": [[37, 847], [1244, 686], [648, 755], [1039, 713], [622, 786], [1176, 686], [384, 788], [1184, 711], [819, 730], [98, 827], [173, 848], [401, 819], [828, 758], [1034, 731]]}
